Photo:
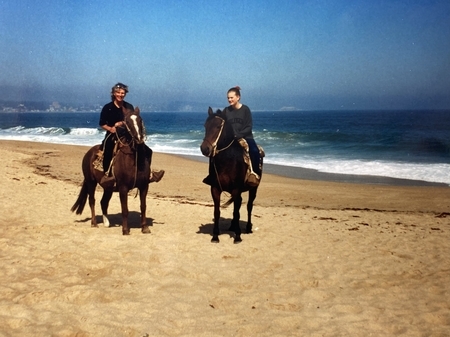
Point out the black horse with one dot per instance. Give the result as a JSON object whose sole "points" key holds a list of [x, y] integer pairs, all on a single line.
{"points": [[131, 169], [227, 171]]}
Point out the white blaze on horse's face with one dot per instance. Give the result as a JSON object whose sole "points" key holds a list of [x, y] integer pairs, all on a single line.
{"points": [[136, 127]]}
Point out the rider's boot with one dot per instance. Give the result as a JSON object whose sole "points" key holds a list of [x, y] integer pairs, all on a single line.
{"points": [[207, 180], [252, 178], [156, 176]]}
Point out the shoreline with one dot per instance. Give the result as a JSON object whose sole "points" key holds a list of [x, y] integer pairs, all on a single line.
{"points": [[286, 187], [295, 172], [315, 175]]}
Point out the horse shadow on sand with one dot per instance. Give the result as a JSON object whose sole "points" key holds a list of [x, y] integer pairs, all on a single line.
{"points": [[134, 220], [224, 227]]}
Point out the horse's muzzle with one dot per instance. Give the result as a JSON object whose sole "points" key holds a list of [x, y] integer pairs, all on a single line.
{"points": [[206, 149]]}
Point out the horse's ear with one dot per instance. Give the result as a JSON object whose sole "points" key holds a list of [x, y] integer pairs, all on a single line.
{"points": [[210, 111], [125, 111], [137, 110]]}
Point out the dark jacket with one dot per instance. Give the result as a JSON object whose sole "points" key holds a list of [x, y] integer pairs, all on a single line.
{"points": [[111, 114], [241, 121]]}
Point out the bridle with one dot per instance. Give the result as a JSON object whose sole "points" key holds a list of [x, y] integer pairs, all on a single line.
{"points": [[133, 140], [131, 144], [216, 151]]}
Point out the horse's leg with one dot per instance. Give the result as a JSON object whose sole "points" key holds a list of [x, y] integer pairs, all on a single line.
{"points": [[236, 216], [104, 204], [143, 196], [123, 193], [251, 199], [90, 187], [215, 193]]}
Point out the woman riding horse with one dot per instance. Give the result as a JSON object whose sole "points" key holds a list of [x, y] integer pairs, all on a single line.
{"points": [[228, 170], [240, 117], [131, 170], [111, 118]]}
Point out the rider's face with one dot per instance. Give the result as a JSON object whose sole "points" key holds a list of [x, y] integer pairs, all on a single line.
{"points": [[119, 95], [233, 99]]}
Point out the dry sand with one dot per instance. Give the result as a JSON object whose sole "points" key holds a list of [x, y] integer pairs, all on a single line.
{"points": [[325, 258]]}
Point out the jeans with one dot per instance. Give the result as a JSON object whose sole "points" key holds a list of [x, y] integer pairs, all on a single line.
{"points": [[254, 155]]}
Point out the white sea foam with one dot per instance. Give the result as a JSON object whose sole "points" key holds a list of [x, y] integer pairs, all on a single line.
{"points": [[414, 171], [188, 144], [85, 132]]}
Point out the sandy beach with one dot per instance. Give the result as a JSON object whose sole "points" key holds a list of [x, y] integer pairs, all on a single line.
{"points": [[326, 258]]}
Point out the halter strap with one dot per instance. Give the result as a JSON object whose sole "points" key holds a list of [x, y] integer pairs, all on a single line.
{"points": [[214, 145]]}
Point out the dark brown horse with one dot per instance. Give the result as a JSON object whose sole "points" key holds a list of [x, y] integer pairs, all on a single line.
{"points": [[131, 169], [227, 171]]}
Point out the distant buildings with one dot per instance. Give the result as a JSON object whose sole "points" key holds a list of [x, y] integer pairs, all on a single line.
{"points": [[6, 106]]}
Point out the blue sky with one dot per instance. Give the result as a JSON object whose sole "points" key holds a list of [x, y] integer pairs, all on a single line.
{"points": [[384, 54]]}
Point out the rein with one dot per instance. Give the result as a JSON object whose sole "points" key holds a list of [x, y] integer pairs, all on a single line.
{"points": [[217, 151], [214, 145], [131, 145]]}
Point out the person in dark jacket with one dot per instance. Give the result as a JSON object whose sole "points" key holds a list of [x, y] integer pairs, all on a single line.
{"points": [[111, 117], [240, 117]]}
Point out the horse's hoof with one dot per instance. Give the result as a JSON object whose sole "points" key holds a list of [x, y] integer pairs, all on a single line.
{"points": [[237, 240], [145, 230], [126, 233], [105, 221], [215, 240], [249, 229]]}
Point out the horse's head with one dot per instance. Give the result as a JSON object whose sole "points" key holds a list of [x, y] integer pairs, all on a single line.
{"points": [[134, 124], [214, 132]]}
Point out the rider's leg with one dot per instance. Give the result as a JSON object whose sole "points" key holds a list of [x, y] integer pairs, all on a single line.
{"points": [[249, 146], [155, 176], [254, 156], [208, 179], [108, 148]]}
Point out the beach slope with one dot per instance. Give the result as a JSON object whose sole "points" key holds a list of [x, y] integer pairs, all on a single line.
{"points": [[325, 258]]}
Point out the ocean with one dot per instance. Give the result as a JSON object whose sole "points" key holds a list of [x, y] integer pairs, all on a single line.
{"points": [[412, 145]]}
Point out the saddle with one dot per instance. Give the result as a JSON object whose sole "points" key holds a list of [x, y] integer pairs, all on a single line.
{"points": [[98, 162], [107, 181]]}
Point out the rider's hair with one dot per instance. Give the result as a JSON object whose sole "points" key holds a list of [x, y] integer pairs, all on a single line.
{"points": [[236, 90]]}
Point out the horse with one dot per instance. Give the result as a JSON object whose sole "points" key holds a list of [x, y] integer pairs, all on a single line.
{"points": [[131, 169], [227, 171]]}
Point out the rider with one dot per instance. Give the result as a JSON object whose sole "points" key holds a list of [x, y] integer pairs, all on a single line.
{"points": [[111, 118], [240, 118]]}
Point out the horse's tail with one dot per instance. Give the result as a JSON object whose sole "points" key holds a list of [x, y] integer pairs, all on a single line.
{"points": [[78, 206], [228, 203]]}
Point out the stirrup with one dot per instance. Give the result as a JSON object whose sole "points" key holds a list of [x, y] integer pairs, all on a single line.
{"points": [[253, 179], [107, 181]]}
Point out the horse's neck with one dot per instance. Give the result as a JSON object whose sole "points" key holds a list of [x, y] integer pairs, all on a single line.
{"points": [[126, 144], [227, 136]]}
